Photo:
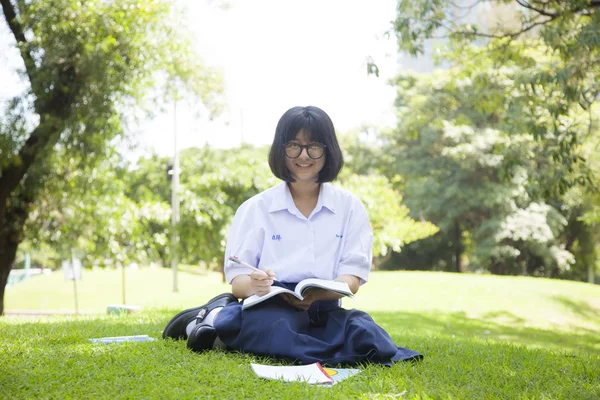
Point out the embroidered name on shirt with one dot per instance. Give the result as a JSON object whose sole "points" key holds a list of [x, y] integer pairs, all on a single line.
{"points": [[276, 237], [339, 236]]}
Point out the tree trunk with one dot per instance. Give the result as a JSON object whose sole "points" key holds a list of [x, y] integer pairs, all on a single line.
{"points": [[8, 252], [13, 214], [497, 268], [457, 247], [591, 273], [10, 234], [379, 261], [524, 268]]}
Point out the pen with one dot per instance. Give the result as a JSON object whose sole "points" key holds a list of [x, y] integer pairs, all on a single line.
{"points": [[245, 264]]}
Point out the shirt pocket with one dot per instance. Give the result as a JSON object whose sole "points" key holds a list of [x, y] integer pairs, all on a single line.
{"points": [[284, 248]]}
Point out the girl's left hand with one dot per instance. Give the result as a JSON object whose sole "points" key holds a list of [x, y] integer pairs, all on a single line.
{"points": [[310, 296]]}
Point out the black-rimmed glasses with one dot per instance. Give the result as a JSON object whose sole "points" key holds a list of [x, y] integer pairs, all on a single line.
{"points": [[314, 150]]}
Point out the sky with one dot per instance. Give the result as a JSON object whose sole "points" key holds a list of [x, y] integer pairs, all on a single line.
{"points": [[274, 54]]}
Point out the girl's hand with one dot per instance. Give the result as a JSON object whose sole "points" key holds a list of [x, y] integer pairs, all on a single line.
{"points": [[294, 302], [310, 296], [261, 281]]}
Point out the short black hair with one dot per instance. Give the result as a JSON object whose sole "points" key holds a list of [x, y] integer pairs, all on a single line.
{"points": [[318, 127]]}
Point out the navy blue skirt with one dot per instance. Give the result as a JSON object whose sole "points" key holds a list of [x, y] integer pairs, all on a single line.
{"points": [[326, 333]]}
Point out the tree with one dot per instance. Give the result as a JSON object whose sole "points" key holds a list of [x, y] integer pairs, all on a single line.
{"points": [[392, 226], [87, 211], [86, 64], [146, 184], [568, 29], [471, 166], [215, 184], [588, 204]]}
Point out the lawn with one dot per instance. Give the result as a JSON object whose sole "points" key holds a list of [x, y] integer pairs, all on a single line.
{"points": [[482, 337]]}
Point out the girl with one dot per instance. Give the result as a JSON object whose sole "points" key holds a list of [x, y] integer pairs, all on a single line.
{"points": [[302, 228]]}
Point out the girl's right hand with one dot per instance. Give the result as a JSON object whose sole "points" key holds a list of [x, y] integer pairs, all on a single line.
{"points": [[261, 281]]}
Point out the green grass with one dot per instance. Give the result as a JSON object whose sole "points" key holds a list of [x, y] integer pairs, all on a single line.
{"points": [[52, 358], [482, 337], [554, 314]]}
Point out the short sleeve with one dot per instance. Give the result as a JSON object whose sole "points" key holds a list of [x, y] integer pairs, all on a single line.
{"points": [[357, 251], [242, 242]]}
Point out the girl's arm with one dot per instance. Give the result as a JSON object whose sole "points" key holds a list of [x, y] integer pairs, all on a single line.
{"points": [[241, 287], [316, 294], [352, 281], [258, 282], [357, 254]]}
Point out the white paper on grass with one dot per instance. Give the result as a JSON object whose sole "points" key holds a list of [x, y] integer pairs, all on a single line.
{"points": [[311, 373], [121, 339]]}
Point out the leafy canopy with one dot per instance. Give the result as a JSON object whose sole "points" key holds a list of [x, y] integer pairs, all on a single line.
{"points": [[471, 166], [567, 32]]}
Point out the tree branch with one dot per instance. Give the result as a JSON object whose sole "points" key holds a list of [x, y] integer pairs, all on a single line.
{"points": [[512, 35], [51, 110], [530, 27], [525, 4], [19, 34], [11, 18], [469, 7], [11, 176], [52, 113], [533, 23]]}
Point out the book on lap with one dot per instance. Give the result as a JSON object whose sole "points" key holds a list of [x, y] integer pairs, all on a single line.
{"points": [[334, 286]]}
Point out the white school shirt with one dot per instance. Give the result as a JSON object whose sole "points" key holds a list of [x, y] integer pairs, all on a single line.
{"points": [[268, 231]]}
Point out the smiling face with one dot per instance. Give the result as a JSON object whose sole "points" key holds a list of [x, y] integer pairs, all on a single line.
{"points": [[303, 168], [305, 126]]}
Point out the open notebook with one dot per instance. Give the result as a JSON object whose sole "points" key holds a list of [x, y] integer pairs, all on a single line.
{"points": [[313, 374], [334, 286]]}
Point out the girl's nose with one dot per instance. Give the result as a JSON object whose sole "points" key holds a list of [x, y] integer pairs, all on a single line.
{"points": [[304, 153]]}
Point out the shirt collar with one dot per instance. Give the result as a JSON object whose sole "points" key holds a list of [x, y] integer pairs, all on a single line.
{"points": [[326, 198], [283, 198]]}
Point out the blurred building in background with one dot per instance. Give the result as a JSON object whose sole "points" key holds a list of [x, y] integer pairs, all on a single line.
{"points": [[483, 14]]}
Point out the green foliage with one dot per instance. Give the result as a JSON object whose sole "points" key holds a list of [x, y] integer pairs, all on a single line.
{"points": [[122, 213], [96, 59], [89, 66], [471, 166], [524, 68], [592, 217], [392, 227], [87, 211], [557, 54], [214, 184], [591, 212], [366, 173]]}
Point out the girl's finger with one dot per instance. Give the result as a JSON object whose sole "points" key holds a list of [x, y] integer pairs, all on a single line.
{"points": [[259, 276], [270, 273]]}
